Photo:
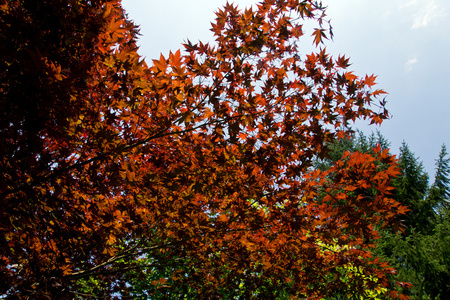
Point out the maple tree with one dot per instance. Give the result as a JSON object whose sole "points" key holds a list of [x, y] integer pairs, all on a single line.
{"points": [[199, 165]]}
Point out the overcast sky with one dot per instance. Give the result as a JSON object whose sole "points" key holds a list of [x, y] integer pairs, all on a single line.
{"points": [[405, 42]]}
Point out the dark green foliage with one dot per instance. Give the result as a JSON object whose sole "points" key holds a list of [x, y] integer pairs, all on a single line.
{"points": [[359, 142], [420, 259]]}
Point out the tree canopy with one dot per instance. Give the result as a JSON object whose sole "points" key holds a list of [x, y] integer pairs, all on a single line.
{"points": [[189, 176]]}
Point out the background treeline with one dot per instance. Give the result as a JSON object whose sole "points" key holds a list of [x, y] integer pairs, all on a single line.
{"points": [[421, 254]]}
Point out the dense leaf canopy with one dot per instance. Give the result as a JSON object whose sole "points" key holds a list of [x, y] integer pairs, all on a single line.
{"points": [[199, 164]]}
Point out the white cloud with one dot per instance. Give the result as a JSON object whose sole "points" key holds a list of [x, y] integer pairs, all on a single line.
{"points": [[427, 12], [409, 3], [410, 63]]}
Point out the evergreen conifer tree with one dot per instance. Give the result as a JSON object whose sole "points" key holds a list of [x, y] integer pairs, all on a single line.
{"points": [[440, 190], [411, 190]]}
